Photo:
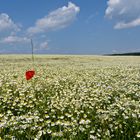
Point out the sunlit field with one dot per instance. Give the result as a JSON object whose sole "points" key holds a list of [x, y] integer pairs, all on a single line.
{"points": [[70, 98]]}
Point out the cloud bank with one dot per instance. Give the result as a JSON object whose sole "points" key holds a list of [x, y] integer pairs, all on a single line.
{"points": [[6, 23], [14, 39], [126, 13], [12, 34], [60, 18], [8, 26]]}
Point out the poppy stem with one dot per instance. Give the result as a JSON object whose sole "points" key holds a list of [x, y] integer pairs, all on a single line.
{"points": [[32, 52]]}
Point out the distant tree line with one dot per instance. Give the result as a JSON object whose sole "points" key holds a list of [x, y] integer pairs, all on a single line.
{"points": [[125, 54]]}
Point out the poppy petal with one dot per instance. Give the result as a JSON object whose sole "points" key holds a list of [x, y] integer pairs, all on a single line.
{"points": [[29, 74]]}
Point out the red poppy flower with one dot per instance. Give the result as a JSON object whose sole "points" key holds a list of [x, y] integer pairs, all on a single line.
{"points": [[29, 74]]}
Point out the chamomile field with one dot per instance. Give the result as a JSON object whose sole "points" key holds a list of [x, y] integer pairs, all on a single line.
{"points": [[70, 98]]}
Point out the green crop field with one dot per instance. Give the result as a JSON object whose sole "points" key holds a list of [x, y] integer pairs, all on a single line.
{"points": [[70, 98]]}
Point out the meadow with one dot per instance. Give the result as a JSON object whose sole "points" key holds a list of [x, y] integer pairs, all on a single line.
{"points": [[70, 98]]}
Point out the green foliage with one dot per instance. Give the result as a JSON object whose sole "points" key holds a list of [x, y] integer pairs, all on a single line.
{"points": [[70, 98]]}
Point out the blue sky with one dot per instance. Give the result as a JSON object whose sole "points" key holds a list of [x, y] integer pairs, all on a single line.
{"points": [[70, 27]]}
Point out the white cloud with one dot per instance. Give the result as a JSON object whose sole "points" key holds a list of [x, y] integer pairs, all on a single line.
{"points": [[126, 13], [41, 46], [44, 45], [57, 19], [14, 39], [91, 17], [122, 25], [6, 23]]}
